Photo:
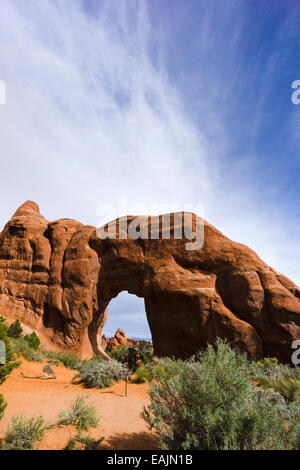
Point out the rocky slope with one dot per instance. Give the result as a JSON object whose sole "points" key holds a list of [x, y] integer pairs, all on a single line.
{"points": [[59, 277], [119, 339]]}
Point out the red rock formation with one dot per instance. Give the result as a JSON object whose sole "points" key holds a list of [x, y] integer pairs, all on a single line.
{"points": [[118, 340], [59, 277]]}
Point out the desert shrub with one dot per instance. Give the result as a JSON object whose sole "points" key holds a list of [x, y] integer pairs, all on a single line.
{"points": [[33, 340], [264, 382], [270, 367], [290, 413], [3, 405], [127, 355], [81, 414], [274, 397], [146, 351], [68, 359], [23, 432], [15, 330], [10, 364], [22, 348], [164, 367], [80, 442], [289, 389], [141, 375], [99, 373], [145, 345], [158, 371], [210, 403], [268, 363], [133, 356]]}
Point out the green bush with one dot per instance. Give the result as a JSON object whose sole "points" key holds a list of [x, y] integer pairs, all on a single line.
{"points": [[33, 340], [22, 348], [10, 364], [289, 389], [68, 359], [163, 368], [80, 442], [23, 432], [270, 367], [127, 355], [3, 405], [141, 375], [209, 402], [282, 378], [133, 356], [146, 351], [5, 369], [15, 330], [99, 373], [82, 415]]}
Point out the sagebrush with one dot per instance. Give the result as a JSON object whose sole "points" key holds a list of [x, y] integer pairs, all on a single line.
{"points": [[68, 359], [81, 414], [22, 348], [99, 373], [3, 405], [210, 402], [80, 442], [22, 433]]}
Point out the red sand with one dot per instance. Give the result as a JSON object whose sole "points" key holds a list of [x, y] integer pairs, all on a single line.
{"points": [[120, 421]]}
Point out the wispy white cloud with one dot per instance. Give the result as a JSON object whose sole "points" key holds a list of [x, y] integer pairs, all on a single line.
{"points": [[89, 116], [92, 114]]}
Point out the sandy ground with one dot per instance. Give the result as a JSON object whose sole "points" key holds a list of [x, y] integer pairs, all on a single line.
{"points": [[120, 421]]}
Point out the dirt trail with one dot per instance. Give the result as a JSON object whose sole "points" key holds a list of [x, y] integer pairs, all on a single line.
{"points": [[120, 422]]}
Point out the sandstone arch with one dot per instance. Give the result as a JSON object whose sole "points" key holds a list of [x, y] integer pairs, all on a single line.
{"points": [[59, 277]]}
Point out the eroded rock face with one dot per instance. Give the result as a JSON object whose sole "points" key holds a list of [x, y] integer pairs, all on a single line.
{"points": [[118, 340], [59, 277]]}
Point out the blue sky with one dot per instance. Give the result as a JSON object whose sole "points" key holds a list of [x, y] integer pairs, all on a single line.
{"points": [[161, 102]]}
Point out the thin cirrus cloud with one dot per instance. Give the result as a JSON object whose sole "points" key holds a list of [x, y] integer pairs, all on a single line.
{"points": [[127, 98], [234, 63], [89, 117]]}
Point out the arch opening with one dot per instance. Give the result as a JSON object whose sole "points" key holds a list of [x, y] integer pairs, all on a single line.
{"points": [[125, 311]]}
